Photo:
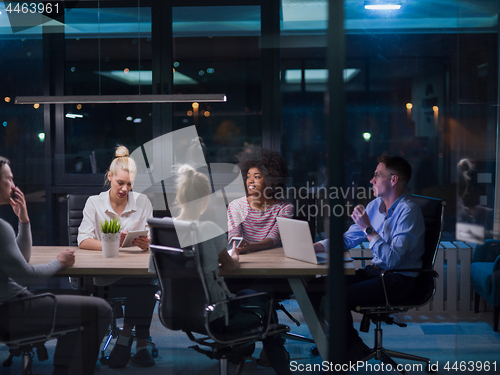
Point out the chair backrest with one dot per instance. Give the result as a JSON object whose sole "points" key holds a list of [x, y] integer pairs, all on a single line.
{"points": [[76, 204], [433, 211], [184, 296]]}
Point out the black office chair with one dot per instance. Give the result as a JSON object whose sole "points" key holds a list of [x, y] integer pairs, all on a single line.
{"points": [[433, 210], [181, 274], [24, 344], [76, 204]]}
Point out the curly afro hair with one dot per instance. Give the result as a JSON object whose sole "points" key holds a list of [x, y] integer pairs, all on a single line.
{"points": [[271, 164]]}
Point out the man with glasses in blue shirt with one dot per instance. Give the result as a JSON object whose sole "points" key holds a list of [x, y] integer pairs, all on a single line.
{"points": [[394, 225]]}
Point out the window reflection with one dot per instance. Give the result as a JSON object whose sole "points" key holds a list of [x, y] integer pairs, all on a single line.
{"points": [[218, 49]]}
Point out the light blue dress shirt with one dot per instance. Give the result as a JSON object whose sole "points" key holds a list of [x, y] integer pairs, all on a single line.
{"points": [[401, 230]]}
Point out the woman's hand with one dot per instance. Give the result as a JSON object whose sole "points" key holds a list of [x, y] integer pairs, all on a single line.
{"points": [[67, 258], [18, 204], [234, 253], [142, 242], [248, 247], [244, 247], [122, 237]]}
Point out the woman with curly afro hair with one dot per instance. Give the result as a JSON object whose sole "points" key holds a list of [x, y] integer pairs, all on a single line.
{"points": [[253, 217]]}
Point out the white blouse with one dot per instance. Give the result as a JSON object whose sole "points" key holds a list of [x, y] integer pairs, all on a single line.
{"points": [[98, 208]]}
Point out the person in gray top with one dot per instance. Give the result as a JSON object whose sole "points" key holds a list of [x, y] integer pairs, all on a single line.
{"points": [[76, 352]]}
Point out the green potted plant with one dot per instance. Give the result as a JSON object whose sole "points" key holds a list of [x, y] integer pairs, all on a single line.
{"points": [[110, 237]]}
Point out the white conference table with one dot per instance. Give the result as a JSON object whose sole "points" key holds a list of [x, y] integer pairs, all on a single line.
{"points": [[269, 263]]}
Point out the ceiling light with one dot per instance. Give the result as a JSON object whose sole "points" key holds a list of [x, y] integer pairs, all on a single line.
{"points": [[73, 115], [120, 99], [382, 4]]}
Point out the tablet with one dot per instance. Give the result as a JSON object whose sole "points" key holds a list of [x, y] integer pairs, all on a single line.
{"points": [[132, 235]]}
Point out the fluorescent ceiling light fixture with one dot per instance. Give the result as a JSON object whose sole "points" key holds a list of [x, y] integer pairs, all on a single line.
{"points": [[144, 77], [294, 76], [383, 7], [120, 99], [73, 115], [382, 4]]}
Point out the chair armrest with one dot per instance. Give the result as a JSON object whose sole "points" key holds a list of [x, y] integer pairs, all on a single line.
{"points": [[38, 296], [419, 270], [265, 304]]}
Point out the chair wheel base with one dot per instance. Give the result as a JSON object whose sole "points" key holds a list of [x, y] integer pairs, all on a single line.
{"points": [[315, 351], [104, 360]]}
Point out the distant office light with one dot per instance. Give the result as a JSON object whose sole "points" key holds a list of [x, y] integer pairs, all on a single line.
{"points": [[382, 4], [36, 105], [383, 7], [7, 99], [409, 105], [367, 136], [144, 77], [435, 108], [73, 115], [4, 124], [195, 105], [41, 137], [129, 118], [137, 120], [120, 99], [294, 76]]}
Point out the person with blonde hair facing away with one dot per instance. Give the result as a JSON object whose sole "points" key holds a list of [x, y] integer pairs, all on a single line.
{"points": [[192, 197], [133, 211], [76, 352]]}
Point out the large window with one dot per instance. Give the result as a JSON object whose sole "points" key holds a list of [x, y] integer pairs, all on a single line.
{"points": [[420, 82], [108, 51], [217, 49]]}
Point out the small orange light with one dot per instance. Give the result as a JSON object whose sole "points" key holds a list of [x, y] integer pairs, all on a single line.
{"points": [[206, 113], [195, 105], [189, 113], [36, 105], [78, 106], [7, 99], [435, 108], [409, 105], [126, 70]]}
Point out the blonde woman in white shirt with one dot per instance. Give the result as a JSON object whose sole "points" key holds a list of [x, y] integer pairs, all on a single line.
{"points": [[133, 210]]}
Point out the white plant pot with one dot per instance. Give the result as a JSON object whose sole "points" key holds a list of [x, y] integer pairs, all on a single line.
{"points": [[110, 244]]}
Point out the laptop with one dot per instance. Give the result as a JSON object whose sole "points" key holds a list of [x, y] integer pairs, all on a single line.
{"points": [[297, 241]]}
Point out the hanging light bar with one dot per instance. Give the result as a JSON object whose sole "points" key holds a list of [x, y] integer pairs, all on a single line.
{"points": [[120, 99]]}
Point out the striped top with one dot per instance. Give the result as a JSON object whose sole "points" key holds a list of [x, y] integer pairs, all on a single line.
{"points": [[254, 225]]}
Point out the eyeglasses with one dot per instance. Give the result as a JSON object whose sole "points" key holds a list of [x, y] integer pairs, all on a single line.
{"points": [[377, 176]]}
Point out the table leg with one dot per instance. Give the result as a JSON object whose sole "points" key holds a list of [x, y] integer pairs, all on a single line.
{"points": [[299, 290]]}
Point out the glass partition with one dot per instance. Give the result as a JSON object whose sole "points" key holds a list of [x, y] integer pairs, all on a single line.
{"points": [[108, 51], [217, 49], [22, 133]]}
